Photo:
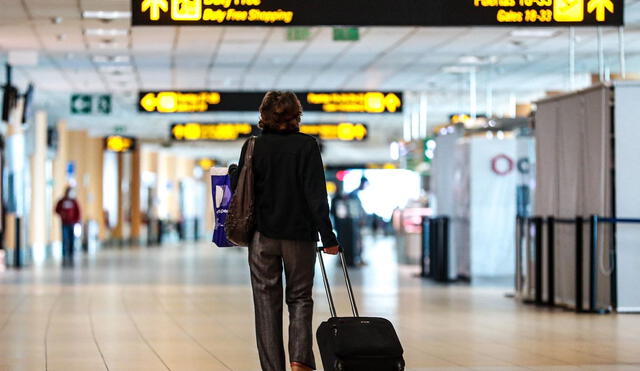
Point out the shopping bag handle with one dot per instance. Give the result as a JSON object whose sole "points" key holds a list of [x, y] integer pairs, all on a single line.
{"points": [[352, 300]]}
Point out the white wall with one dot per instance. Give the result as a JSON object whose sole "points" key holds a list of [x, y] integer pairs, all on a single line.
{"points": [[627, 150]]}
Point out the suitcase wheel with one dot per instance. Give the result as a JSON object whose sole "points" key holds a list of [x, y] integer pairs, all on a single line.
{"points": [[400, 366], [338, 365]]}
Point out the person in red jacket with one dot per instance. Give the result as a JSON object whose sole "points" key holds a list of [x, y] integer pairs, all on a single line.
{"points": [[69, 211]]}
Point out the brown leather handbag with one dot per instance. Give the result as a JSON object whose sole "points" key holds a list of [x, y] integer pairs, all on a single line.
{"points": [[240, 223]]}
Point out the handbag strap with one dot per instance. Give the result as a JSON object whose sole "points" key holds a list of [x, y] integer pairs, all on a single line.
{"points": [[248, 156]]}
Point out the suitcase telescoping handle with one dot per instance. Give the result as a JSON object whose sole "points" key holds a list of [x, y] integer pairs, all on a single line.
{"points": [[332, 307]]}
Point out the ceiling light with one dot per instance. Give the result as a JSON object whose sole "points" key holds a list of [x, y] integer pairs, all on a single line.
{"points": [[109, 44], [457, 69], [111, 59], [116, 70], [475, 60], [106, 32], [56, 20], [101, 14], [533, 33]]}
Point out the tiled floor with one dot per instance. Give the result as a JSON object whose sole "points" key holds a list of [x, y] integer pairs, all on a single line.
{"points": [[189, 308]]}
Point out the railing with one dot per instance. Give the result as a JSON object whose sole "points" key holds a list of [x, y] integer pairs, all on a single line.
{"points": [[533, 228]]}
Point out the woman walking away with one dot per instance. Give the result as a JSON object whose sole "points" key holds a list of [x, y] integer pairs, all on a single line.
{"points": [[291, 208]]}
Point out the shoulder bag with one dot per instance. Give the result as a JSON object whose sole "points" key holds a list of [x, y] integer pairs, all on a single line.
{"points": [[240, 223]]}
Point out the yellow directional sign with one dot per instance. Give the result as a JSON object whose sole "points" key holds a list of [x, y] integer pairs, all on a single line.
{"points": [[118, 143], [186, 10], [600, 7], [211, 132], [154, 7], [367, 102], [173, 101], [373, 102], [345, 131], [195, 131], [367, 13], [568, 10]]}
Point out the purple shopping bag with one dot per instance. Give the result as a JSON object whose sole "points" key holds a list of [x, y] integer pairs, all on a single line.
{"points": [[221, 192]]}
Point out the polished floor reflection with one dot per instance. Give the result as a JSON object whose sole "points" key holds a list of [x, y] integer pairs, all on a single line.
{"points": [[188, 308]]}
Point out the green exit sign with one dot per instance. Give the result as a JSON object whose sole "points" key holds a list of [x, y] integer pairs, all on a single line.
{"points": [[298, 33], [346, 34], [87, 104]]}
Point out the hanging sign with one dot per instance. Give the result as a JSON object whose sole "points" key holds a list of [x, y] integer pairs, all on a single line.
{"points": [[212, 131], [377, 12], [120, 144], [86, 104], [189, 132], [210, 101]]}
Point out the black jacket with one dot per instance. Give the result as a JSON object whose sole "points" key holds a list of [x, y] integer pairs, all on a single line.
{"points": [[290, 188]]}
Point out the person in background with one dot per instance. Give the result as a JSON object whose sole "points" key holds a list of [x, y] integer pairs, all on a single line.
{"points": [[359, 216], [69, 211], [346, 226]]}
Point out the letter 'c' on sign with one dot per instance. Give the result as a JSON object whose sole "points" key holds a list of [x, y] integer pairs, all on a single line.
{"points": [[502, 164]]}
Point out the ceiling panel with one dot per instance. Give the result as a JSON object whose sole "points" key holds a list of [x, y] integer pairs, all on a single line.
{"points": [[260, 58]]}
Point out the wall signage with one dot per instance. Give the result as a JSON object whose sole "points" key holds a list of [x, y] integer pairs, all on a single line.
{"points": [[377, 12], [193, 131], [211, 101], [502, 164]]}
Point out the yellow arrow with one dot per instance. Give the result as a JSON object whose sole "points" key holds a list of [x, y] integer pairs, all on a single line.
{"points": [[599, 6], [392, 102], [148, 102], [154, 7]]}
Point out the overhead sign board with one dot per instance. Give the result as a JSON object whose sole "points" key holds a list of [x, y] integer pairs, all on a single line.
{"points": [[194, 131], [212, 101], [377, 12]]}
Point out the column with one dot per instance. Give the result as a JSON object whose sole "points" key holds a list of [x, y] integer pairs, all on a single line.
{"points": [[134, 192], [118, 232], [59, 178], [37, 216]]}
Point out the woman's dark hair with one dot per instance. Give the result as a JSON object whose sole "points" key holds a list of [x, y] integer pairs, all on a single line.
{"points": [[280, 111]]}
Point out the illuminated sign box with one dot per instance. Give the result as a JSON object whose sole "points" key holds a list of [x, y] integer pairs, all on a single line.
{"points": [[212, 101], [120, 144], [378, 12], [193, 131]]}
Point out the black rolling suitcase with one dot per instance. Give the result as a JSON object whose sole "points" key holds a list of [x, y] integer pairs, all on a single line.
{"points": [[356, 343]]}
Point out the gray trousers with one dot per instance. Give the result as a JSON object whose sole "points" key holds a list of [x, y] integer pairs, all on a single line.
{"points": [[266, 259]]}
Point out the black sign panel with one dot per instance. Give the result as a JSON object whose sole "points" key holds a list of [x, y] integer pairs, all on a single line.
{"points": [[373, 102], [378, 12], [232, 131]]}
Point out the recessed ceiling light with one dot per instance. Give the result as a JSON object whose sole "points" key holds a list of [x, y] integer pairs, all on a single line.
{"points": [[119, 70], [56, 20], [110, 32], [533, 33], [109, 44], [111, 58], [101, 14], [476, 60], [457, 69]]}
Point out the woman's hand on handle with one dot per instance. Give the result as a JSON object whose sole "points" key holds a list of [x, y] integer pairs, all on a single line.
{"points": [[332, 250]]}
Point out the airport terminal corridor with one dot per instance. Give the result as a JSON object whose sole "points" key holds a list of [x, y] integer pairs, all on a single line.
{"points": [[188, 308], [475, 162]]}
